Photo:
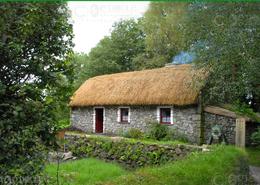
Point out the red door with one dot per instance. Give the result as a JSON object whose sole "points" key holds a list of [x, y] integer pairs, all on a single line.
{"points": [[99, 120]]}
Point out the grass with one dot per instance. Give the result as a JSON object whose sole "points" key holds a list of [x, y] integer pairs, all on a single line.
{"points": [[214, 167], [150, 141], [131, 140], [85, 171], [253, 156], [199, 168]]}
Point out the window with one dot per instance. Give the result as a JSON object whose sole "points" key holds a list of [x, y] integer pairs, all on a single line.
{"points": [[165, 115], [124, 115]]}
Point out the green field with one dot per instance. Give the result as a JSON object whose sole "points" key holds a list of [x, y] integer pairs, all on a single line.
{"points": [[85, 172]]}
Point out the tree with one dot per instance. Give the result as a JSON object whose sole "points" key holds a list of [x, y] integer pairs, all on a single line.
{"points": [[35, 41], [163, 25], [80, 61], [224, 38], [226, 41], [115, 53]]}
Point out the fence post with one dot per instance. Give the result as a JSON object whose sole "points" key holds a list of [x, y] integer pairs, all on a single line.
{"points": [[240, 132]]}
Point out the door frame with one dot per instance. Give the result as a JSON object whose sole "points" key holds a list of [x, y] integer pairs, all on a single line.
{"points": [[94, 118]]}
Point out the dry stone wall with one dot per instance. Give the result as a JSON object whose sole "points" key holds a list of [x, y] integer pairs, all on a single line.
{"points": [[130, 153]]}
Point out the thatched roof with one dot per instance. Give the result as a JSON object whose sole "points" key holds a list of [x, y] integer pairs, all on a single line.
{"points": [[162, 86]]}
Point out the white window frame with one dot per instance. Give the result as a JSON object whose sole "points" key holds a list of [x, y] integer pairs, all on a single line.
{"points": [[158, 116], [94, 118], [119, 114]]}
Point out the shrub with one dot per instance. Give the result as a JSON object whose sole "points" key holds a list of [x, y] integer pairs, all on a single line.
{"points": [[64, 123], [255, 137], [134, 133], [181, 137], [157, 131], [173, 134], [120, 132]]}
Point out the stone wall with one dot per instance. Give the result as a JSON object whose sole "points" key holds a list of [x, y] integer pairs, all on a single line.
{"points": [[228, 125], [186, 120], [139, 117], [124, 151], [82, 119]]}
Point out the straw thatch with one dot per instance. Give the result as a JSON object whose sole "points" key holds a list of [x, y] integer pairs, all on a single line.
{"points": [[162, 86]]}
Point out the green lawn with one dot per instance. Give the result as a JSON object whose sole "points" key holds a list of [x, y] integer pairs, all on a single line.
{"points": [[200, 168], [85, 171], [253, 156], [216, 166]]}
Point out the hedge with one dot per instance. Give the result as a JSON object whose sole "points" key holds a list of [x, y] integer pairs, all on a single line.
{"points": [[130, 154]]}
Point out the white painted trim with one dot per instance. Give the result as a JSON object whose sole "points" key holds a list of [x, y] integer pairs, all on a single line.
{"points": [[94, 118], [118, 115], [129, 115], [119, 112], [158, 113], [171, 115]]}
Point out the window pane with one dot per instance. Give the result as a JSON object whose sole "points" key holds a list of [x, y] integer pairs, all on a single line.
{"points": [[125, 118], [124, 114], [165, 115]]}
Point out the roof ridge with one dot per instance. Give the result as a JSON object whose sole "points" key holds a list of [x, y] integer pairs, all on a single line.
{"points": [[180, 66]]}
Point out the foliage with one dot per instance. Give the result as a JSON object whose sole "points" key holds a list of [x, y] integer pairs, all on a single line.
{"points": [[131, 153], [134, 133], [115, 53], [253, 154], [157, 131], [81, 68], [222, 36], [58, 97], [225, 40], [255, 137], [173, 134], [215, 167], [36, 40], [164, 31], [85, 171], [244, 110], [164, 133]]}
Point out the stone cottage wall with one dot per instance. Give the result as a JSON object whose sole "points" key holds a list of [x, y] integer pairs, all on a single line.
{"points": [[82, 118], [228, 125], [186, 120], [139, 117]]}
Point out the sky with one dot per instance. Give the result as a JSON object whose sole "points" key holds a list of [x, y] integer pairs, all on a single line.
{"points": [[94, 20]]}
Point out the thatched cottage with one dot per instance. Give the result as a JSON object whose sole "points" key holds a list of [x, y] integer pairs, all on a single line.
{"points": [[116, 102]]}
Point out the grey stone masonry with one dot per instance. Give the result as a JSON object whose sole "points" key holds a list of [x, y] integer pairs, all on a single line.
{"points": [[82, 118], [186, 120], [228, 125]]}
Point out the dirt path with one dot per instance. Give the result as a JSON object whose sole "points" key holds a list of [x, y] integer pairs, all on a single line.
{"points": [[255, 172]]}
